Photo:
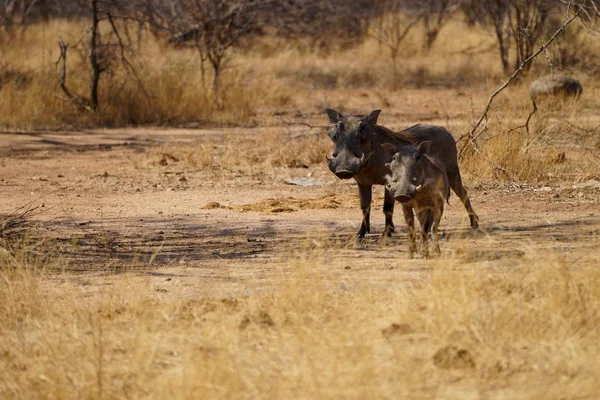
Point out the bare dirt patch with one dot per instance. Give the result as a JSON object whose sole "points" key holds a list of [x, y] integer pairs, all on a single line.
{"points": [[103, 202]]}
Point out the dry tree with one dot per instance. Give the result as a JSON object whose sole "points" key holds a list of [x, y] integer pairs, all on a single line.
{"points": [[436, 14], [103, 50], [391, 27]]}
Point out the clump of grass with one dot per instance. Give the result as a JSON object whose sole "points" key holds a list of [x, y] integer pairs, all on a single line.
{"points": [[17, 224], [301, 151]]}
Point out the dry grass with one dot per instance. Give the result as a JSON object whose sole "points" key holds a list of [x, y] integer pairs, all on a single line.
{"points": [[468, 328], [269, 75], [528, 332], [262, 154], [166, 87]]}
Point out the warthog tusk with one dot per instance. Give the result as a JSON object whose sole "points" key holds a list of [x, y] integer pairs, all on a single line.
{"points": [[419, 188], [327, 158], [362, 159]]}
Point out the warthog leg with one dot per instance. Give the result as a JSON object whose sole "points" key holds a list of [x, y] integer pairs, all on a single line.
{"points": [[437, 217], [409, 217], [388, 210], [426, 222], [458, 188], [365, 192]]}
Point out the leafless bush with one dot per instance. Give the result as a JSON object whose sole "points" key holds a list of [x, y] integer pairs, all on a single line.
{"points": [[213, 27], [392, 26], [572, 49], [325, 24], [589, 12], [102, 50], [17, 15], [515, 22]]}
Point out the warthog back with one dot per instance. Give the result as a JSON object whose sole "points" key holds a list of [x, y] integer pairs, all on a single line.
{"points": [[556, 86]]}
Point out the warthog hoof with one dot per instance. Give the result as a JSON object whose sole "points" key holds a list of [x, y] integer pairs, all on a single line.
{"points": [[360, 239], [474, 221], [387, 232]]}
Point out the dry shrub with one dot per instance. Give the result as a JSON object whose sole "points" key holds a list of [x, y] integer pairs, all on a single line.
{"points": [[170, 96], [510, 160], [463, 332], [509, 157], [560, 145], [164, 85]]}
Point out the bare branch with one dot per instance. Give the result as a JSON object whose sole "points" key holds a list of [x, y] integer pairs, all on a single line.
{"points": [[471, 136], [62, 83]]}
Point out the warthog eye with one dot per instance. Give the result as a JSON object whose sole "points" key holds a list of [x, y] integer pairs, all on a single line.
{"points": [[361, 129]]}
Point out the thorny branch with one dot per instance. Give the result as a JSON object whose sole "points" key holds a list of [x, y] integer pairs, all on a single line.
{"points": [[472, 136]]}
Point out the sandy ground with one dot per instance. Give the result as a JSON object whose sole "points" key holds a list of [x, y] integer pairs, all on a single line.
{"points": [[107, 207]]}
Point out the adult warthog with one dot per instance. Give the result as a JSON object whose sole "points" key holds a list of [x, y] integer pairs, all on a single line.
{"points": [[358, 154]]}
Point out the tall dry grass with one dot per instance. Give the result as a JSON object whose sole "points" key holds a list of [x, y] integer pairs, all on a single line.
{"points": [[264, 76], [560, 144], [263, 153], [164, 85], [528, 332]]}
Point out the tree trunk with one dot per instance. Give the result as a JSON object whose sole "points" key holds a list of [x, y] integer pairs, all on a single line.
{"points": [[394, 54], [503, 47], [95, 78], [216, 65]]}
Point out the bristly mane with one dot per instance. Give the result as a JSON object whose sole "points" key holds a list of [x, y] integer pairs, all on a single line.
{"points": [[400, 135]]}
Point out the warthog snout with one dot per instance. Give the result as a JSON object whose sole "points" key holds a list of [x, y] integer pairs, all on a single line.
{"points": [[404, 194], [344, 174], [345, 165], [403, 198]]}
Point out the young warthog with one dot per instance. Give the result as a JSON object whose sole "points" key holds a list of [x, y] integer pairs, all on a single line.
{"points": [[419, 182], [358, 154]]}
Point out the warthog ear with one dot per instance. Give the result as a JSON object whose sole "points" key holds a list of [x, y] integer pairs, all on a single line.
{"points": [[371, 118], [334, 116], [389, 148], [424, 147]]}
